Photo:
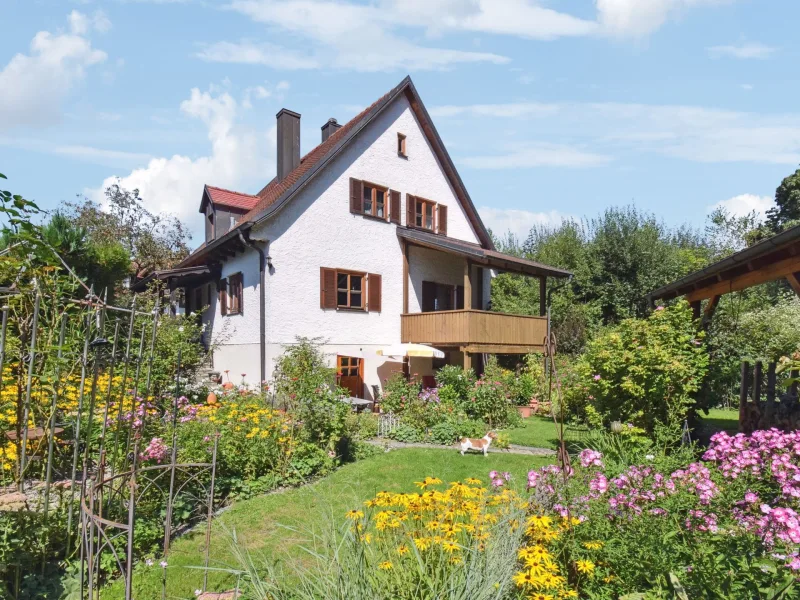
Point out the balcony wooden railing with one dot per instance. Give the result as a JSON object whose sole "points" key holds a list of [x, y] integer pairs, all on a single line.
{"points": [[475, 331]]}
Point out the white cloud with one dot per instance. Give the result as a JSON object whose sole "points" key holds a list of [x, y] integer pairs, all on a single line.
{"points": [[97, 156], [747, 50], [639, 18], [81, 24], [512, 110], [537, 154], [238, 158], [34, 85], [344, 36], [250, 53], [746, 86], [698, 134], [517, 222], [744, 204]]}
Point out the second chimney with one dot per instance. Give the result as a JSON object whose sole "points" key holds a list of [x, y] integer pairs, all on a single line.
{"points": [[331, 127], [288, 142]]}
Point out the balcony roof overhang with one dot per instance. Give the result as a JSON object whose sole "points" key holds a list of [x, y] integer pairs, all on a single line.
{"points": [[181, 277], [479, 255]]}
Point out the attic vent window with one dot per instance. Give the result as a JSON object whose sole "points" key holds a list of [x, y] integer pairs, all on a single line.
{"points": [[401, 145]]}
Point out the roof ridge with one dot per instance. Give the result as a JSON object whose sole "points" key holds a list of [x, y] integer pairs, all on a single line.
{"points": [[216, 187]]}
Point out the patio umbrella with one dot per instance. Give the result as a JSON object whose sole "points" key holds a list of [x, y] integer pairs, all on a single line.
{"points": [[411, 350]]}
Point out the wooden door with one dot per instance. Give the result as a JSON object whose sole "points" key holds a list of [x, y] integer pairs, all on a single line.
{"points": [[350, 374]]}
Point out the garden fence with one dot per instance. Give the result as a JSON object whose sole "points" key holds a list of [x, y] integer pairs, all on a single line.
{"points": [[779, 408]]}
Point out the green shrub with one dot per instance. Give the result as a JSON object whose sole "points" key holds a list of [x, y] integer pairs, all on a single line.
{"points": [[644, 371], [398, 391], [307, 387], [406, 433], [444, 433], [361, 426], [458, 381], [489, 401]]}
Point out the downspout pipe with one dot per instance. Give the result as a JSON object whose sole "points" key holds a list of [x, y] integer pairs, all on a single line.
{"points": [[262, 306]]}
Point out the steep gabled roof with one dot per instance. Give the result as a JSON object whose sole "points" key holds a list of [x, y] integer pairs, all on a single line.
{"points": [[277, 193], [228, 198]]}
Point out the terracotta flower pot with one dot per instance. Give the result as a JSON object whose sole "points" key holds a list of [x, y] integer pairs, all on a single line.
{"points": [[525, 411]]}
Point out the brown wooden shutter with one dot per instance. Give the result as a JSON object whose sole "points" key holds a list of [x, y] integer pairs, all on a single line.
{"points": [[394, 208], [428, 296], [327, 288], [374, 290], [223, 297], [410, 202], [442, 219], [356, 196]]}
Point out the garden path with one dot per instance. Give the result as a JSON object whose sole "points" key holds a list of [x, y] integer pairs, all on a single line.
{"points": [[512, 449]]}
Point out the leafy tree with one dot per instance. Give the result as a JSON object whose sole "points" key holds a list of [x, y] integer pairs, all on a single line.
{"points": [[151, 241], [103, 264], [617, 258], [786, 211]]}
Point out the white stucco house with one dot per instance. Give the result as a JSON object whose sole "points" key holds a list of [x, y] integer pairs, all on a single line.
{"points": [[369, 239]]}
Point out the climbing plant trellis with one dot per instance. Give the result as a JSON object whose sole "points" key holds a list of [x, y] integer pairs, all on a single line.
{"points": [[75, 401]]}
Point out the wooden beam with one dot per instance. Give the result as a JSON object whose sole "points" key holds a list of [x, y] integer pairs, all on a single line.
{"points": [[501, 349], [467, 361], [467, 284], [405, 276], [777, 270], [708, 312], [695, 309], [794, 281], [542, 296]]}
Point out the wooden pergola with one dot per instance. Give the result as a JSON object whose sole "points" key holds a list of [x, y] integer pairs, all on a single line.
{"points": [[774, 258]]}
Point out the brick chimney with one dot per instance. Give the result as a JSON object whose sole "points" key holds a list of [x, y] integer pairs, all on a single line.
{"points": [[288, 142], [331, 127]]}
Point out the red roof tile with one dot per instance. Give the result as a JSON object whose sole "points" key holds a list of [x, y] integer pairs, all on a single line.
{"points": [[275, 189], [231, 199]]}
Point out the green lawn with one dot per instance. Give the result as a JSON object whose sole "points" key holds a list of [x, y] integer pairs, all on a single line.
{"points": [[257, 521], [718, 419], [539, 432]]}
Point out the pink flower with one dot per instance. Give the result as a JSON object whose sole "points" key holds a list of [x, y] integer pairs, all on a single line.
{"points": [[597, 377]]}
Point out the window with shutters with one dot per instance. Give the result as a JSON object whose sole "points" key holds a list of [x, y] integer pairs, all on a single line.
{"points": [[342, 289], [350, 289], [375, 200], [401, 145], [230, 295], [424, 211]]}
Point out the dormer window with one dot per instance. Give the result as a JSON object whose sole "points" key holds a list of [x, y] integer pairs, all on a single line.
{"points": [[374, 200]]}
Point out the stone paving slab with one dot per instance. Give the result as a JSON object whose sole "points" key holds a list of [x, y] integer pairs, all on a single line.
{"points": [[512, 449]]}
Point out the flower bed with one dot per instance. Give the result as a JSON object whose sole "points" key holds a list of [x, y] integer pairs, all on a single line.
{"points": [[723, 527]]}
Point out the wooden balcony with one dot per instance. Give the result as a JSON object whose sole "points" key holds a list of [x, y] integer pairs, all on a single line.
{"points": [[475, 331]]}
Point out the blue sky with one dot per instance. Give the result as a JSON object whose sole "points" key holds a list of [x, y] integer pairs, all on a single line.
{"points": [[548, 107]]}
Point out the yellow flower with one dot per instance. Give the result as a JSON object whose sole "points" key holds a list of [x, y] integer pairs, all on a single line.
{"points": [[402, 549], [472, 481], [585, 566], [354, 515], [385, 565], [539, 596], [422, 543], [567, 594], [523, 578], [449, 546], [593, 545]]}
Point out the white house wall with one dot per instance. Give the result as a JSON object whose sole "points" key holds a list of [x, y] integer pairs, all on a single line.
{"points": [[316, 229]]}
